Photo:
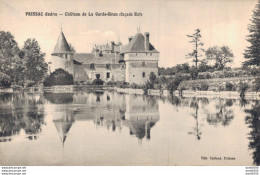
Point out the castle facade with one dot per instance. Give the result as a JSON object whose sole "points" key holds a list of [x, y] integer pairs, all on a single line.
{"points": [[132, 63]]}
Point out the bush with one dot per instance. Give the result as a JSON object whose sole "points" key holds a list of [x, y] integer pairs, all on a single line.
{"points": [[243, 87], [193, 73], [204, 75], [148, 85], [173, 84], [256, 85], [229, 86], [204, 86], [135, 86], [59, 77], [30, 84], [97, 82], [5, 80]]}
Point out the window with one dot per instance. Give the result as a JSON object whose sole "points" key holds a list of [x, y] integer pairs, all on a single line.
{"points": [[136, 54], [98, 76], [143, 63], [66, 56], [108, 75], [108, 66], [108, 98], [143, 74], [92, 66], [151, 54]]}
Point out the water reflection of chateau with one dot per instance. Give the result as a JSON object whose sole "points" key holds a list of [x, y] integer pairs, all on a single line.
{"points": [[110, 110]]}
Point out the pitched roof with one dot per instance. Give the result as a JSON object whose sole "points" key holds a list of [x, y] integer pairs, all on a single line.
{"points": [[89, 58], [137, 44], [62, 45]]}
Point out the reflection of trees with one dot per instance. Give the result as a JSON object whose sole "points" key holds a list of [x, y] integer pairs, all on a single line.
{"points": [[22, 112], [253, 121], [223, 115], [196, 130], [59, 98]]}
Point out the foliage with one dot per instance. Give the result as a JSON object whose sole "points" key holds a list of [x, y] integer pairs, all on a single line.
{"points": [[229, 86], [5, 80], [59, 77], [97, 82], [193, 73], [11, 62], [35, 65], [197, 44], [256, 83], [204, 75], [183, 68], [167, 71], [252, 52], [253, 121], [243, 87], [221, 56], [136, 86], [148, 85], [72, 48], [204, 67], [173, 84]]}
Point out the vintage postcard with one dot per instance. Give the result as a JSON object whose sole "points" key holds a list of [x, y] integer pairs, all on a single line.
{"points": [[151, 83]]}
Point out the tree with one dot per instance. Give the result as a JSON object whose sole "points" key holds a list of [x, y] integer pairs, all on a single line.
{"points": [[72, 48], [197, 46], [11, 62], [59, 77], [35, 65], [221, 56], [252, 52]]}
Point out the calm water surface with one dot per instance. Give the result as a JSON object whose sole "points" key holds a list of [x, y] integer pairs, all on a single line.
{"points": [[108, 128]]}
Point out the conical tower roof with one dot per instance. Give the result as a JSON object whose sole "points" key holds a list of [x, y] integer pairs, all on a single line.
{"points": [[62, 45]]}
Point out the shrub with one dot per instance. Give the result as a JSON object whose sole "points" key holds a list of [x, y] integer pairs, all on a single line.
{"points": [[173, 84], [204, 86], [194, 73], [243, 87], [256, 84], [228, 74], [30, 84], [5, 80], [229, 86], [148, 85], [135, 86], [97, 82], [59, 77]]}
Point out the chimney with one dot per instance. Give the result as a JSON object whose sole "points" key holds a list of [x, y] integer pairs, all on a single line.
{"points": [[130, 38], [112, 46], [146, 40]]}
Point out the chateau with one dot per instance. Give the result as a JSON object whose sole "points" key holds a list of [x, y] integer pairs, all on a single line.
{"points": [[131, 63]]}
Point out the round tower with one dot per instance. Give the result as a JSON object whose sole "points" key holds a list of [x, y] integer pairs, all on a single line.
{"points": [[62, 56]]}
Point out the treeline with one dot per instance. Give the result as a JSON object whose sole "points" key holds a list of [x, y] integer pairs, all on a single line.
{"points": [[23, 66]]}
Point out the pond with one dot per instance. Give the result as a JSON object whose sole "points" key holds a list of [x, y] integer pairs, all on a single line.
{"points": [[109, 128]]}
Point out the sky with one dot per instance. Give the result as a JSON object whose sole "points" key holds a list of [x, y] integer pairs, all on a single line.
{"points": [[222, 22]]}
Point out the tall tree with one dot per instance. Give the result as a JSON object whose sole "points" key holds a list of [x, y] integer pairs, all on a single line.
{"points": [[35, 65], [252, 52], [221, 56], [197, 47], [11, 62]]}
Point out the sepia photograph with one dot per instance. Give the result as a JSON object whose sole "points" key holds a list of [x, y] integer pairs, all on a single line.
{"points": [[129, 83]]}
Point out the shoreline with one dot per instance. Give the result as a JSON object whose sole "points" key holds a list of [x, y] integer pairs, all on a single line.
{"points": [[152, 92]]}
